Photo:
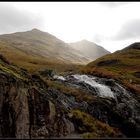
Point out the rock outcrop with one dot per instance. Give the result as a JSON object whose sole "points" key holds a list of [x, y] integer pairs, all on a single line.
{"points": [[31, 108], [27, 112]]}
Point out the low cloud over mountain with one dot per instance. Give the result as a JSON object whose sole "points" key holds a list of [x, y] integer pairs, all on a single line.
{"points": [[13, 19]]}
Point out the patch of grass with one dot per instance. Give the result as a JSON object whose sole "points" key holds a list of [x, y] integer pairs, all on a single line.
{"points": [[129, 62], [91, 127], [71, 91], [8, 70], [113, 69]]}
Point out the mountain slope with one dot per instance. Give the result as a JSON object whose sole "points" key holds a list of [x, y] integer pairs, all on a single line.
{"points": [[89, 49], [35, 46], [30, 108], [123, 65], [36, 106]]}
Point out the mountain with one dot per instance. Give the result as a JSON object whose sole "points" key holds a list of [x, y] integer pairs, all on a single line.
{"points": [[34, 48], [35, 106], [122, 65], [47, 105], [134, 46], [89, 49]]}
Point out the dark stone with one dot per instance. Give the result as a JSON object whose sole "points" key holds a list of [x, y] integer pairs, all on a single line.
{"points": [[108, 62], [137, 74], [4, 59], [47, 73], [41, 112]]}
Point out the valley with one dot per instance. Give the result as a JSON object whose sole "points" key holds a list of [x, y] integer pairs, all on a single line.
{"points": [[51, 90], [36, 50]]}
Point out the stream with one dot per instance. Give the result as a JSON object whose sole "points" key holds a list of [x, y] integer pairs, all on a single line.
{"points": [[112, 97], [101, 87]]}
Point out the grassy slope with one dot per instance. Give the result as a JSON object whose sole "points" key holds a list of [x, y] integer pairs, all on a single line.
{"points": [[39, 47], [90, 127], [128, 62], [32, 62], [89, 49]]}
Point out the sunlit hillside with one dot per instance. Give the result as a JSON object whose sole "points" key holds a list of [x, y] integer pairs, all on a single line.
{"points": [[123, 65]]}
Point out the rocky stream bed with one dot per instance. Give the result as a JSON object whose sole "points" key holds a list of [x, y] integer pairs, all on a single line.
{"points": [[44, 112]]}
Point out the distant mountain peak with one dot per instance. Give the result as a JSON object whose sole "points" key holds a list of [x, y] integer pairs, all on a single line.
{"points": [[35, 30], [135, 45], [89, 49], [84, 40], [43, 44]]}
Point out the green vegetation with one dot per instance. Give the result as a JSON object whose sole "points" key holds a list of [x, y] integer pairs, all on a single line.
{"points": [[10, 71], [19, 73], [36, 50], [128, 63], [31, 62], [80, 95], [91, 127]]}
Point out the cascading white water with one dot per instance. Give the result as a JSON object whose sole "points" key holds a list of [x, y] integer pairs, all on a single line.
{"points": [[103, 90], [59, 77]]}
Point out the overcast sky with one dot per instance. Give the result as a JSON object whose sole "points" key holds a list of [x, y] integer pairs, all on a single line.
{"points": [[113, 25]]}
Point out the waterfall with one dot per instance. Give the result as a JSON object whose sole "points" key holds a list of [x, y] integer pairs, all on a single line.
{"points": [[59, 77], [103, 90]]}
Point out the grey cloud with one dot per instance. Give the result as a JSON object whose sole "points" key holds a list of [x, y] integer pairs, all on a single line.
{"points": [[113, 4], [130, 29], [97, 38], [13, 19]]}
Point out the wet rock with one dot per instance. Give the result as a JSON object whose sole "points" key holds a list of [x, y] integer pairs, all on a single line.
{"points": [[52, 112], [47, 73], [13, 108], [30, 112], [69, 126], [38, 82], [108, 82], [26, 112], [100, 109]]}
